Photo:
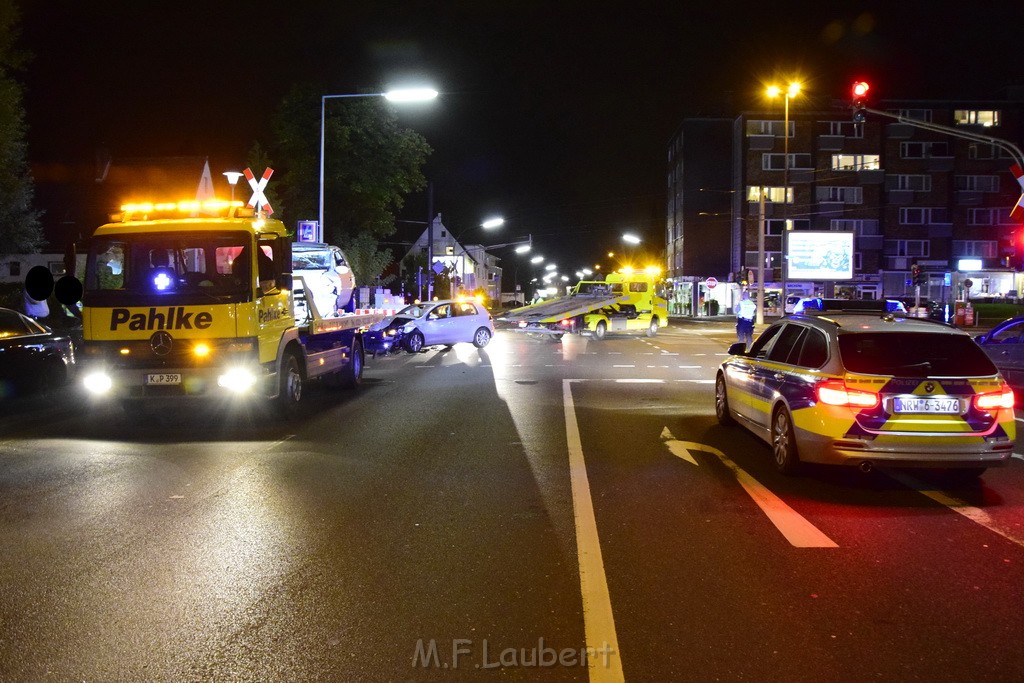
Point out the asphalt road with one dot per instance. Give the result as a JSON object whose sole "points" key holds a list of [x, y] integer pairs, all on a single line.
{"points": [[485, 514]]}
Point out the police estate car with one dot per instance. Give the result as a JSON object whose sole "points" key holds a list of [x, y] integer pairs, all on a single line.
{"points": [[869, 389]]}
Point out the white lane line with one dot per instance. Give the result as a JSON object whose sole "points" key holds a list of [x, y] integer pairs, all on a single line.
{"points": [[797, 530], [623, 366], [972, 513], [639, 381], [696, 381], [690, 367], [598, 621]]}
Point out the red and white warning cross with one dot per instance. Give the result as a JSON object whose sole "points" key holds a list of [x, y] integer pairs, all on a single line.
{"points": [[259, 199], [1017, 212]]}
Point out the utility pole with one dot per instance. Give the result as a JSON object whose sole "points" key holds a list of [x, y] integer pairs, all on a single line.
{"points": [[760, 258]]}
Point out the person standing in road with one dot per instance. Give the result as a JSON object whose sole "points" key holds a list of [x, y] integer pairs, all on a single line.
{"points": [[745, 312]]}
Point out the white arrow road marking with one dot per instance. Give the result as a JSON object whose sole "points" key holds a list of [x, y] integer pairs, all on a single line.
{"points": [[677, 447], [598, 622], [797, 530], [972, 513]]}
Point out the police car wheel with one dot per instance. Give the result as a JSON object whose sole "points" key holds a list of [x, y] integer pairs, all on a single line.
{"points": [[784, 442], [725, 418], [653, 329], [291, 387], [600, 331], [555, 337]]}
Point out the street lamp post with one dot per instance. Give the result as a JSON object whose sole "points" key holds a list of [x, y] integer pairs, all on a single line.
{"points": [[233, 177], [791, 91], [398, 96]]}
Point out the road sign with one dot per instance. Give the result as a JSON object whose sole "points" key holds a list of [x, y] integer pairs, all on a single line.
{"points": [[258, 199], [711, 282], [1017, 212]]}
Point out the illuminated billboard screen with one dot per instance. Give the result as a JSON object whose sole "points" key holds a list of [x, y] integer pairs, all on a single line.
{"points": [[820, 255]]}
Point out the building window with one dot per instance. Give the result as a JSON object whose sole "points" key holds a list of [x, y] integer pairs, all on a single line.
{"points": [[774, 128], [923, 150], [977, 248], [854, 225], [845, 128], [775, 226], [915, 183], [777, 162], [856, 162], [977, 183], [907, 248], [912, 215], [982, 216], [777, 195], [857, 261], [916, 114], [976, 117], [835, 193], [771, 260]]}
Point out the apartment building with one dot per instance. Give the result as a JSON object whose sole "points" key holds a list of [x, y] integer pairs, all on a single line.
{"points": [[927, 183]]}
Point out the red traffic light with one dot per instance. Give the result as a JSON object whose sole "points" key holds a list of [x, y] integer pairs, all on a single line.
{"points": [[860, 89]]}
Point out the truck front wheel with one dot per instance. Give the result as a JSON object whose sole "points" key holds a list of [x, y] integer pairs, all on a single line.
{"points": [[290, 392], [600, 331], [653, 329]]}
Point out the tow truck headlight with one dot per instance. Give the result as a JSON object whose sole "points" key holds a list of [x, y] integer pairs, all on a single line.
{"points": [[238, 380], [97, 383]]}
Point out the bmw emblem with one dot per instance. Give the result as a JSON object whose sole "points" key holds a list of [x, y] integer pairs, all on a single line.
{"points": [[161, 343], [929, 386]]}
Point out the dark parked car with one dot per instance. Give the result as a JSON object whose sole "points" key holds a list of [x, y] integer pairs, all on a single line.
{"points": [[1004, 344], [32, 356]]}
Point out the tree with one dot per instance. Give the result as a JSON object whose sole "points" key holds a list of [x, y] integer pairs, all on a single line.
{"points": [[365, 258], [371, 163], [20, 229]]}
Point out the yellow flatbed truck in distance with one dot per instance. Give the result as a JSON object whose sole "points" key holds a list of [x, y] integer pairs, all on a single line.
{"points": [[626, 301]]}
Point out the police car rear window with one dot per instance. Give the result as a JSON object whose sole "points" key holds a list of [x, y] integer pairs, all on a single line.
{"points": [[914, 354]]}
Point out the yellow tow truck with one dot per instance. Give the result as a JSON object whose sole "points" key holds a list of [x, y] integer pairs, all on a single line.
{"points": [[625, 301], [196, 300]]}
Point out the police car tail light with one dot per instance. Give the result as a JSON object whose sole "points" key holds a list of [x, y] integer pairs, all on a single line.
{"points": [[994, 399], [834, 392]]}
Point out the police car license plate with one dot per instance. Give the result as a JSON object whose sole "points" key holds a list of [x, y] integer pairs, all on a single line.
{"points": [[942, 406], [164, 378]]}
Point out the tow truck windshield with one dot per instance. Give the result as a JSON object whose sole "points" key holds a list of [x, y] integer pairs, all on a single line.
{"points": [[176, 268]]}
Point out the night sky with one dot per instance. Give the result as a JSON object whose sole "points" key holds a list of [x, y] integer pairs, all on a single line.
{"points": [[556, 115]]}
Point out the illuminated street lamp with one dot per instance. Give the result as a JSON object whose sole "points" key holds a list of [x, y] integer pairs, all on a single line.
{"points": [[233, 177], [398, 96], [774, 91], [630, 238], [537, 259]]}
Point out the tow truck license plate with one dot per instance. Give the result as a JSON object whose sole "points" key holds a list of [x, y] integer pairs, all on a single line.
{"points": [[164, 378], [945, 406]]}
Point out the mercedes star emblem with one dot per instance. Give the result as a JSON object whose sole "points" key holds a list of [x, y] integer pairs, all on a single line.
{"points": [[161, 343]]}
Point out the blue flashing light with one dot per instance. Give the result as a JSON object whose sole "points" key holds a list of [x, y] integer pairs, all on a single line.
{"points": [[162, 281]]}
